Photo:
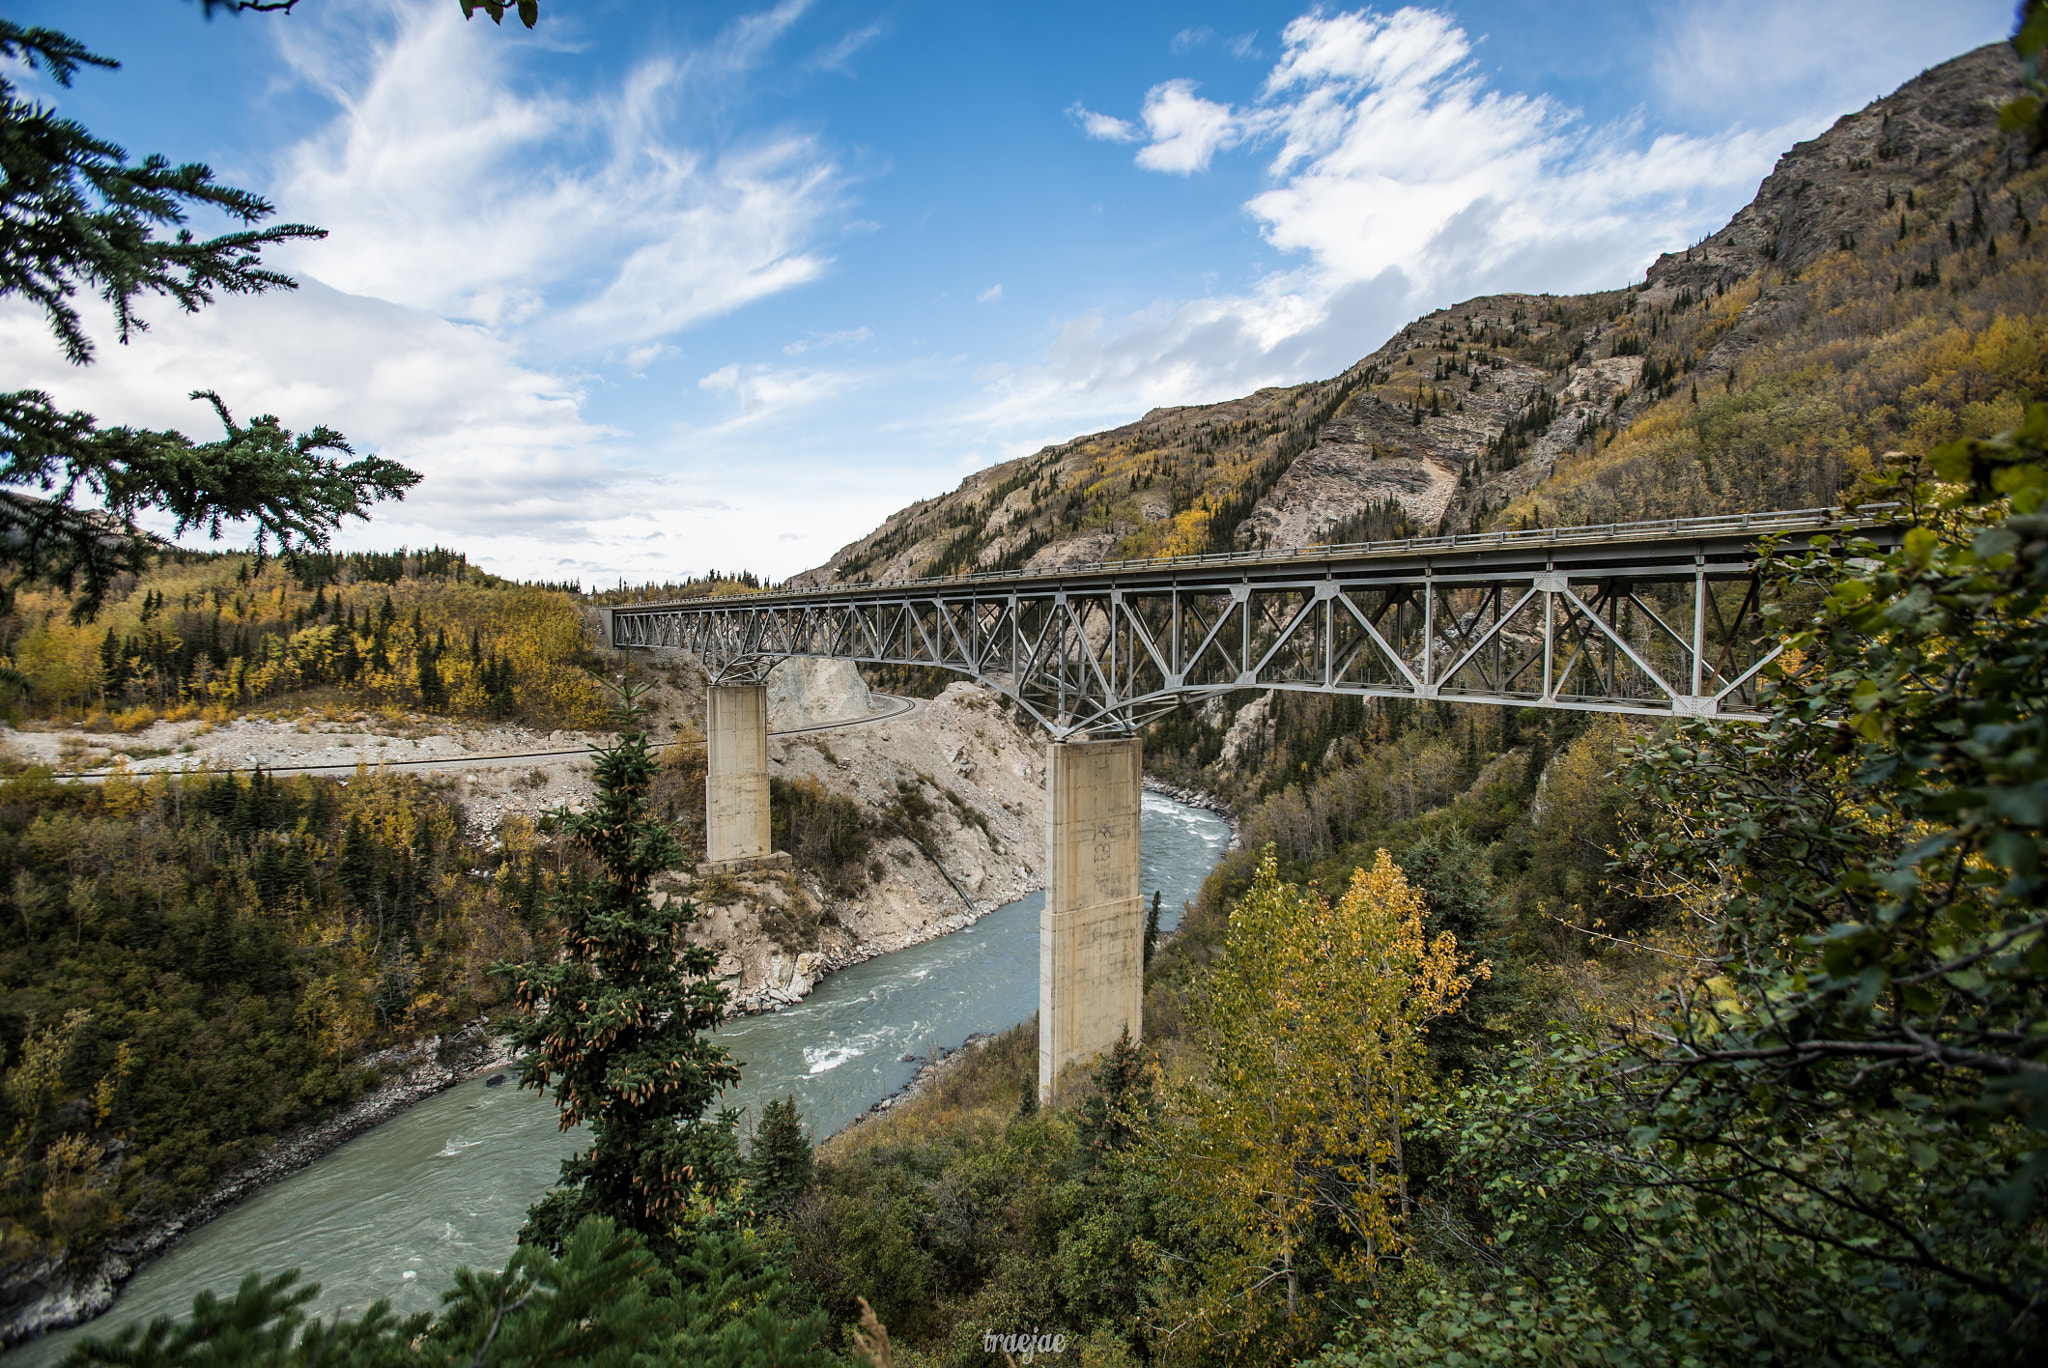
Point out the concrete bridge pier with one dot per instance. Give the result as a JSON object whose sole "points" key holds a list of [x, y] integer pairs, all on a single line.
{"points": [[736, 778], [1091, 980]]}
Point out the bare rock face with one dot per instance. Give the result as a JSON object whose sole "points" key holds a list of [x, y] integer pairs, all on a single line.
{"points": [[1406, 436], [1250, 729], [961, 756], [1074, 551], [807, 693]]}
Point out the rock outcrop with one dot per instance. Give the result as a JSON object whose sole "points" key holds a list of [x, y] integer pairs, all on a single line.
{"points": [[951, 791]]}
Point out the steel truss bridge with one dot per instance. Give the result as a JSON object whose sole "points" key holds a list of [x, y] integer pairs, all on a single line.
{"points": [[1660, 618]]}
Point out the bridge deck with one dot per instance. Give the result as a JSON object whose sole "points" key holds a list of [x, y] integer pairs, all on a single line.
{"points": [[1651, 618]]}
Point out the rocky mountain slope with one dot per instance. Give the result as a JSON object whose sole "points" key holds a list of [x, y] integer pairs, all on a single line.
{"points": [[1874, 296]]}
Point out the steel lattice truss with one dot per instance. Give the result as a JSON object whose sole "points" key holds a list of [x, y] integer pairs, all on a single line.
{"points": [[1659, 619]]}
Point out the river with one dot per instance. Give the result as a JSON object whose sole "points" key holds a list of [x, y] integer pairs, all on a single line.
{"points": [[395, 1212]]}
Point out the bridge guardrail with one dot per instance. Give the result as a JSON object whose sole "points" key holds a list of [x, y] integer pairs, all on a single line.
{"points": [[1782, 520]]}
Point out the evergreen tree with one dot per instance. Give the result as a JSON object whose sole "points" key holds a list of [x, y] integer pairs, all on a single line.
{"points": [[1121, 1105], [110, 665], [1152, 929], [433, 693], [605, 1301], [781, 1165], [1027, 1103], [1456, 883], [79, 213], [615, 1025]]}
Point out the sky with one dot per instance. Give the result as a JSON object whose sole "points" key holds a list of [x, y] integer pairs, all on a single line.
{"points": [[658, 288]]}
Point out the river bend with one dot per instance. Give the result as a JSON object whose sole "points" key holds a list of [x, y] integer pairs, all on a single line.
{"points": [[394, 1212]]}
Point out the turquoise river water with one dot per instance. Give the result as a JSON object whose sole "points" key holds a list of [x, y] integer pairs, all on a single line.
{"points": [[395, 1212]]}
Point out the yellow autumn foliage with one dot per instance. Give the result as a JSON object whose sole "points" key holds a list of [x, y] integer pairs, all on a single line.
{"points": [[1313, 1032], [221, 635]]}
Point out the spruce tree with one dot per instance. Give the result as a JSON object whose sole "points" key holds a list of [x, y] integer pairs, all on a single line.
{"points": [[1152, 929], [616, 1025], [1123, 1103], [781, 1165], [80, 214]]}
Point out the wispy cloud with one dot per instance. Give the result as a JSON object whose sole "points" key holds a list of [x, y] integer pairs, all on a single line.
{"points": [[757, 392], [990, 295], [839, 56], [1103, 127], [850, 337], [1188, 39], [1827, 55], [451, 182]]}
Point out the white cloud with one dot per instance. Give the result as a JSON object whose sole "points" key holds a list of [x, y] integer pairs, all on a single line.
{"points": [[1103, 127], [759, 392], [481, 218], [850, 337], [1185, 129], [503, 448], [1398, 180], [839, 57], [449, 181], [990, 295], [1188, 39]]}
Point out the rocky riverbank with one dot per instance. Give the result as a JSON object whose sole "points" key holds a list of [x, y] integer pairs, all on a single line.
{"points": [[926, 1078], [48, 1300], [1192, 797]]}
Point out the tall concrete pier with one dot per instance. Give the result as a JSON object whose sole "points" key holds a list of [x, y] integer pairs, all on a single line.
{"points": [[736, 776], [1091, 981]]}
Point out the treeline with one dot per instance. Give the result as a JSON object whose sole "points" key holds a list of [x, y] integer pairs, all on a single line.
{"points": [[419, 630], [189, 965], [690, 586]]}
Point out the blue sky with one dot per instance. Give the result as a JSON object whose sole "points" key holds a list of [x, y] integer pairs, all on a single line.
{"points": [[660, 287]]}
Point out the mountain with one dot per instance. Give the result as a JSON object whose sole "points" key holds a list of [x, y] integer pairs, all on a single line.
{"points": [[1882, 292]]}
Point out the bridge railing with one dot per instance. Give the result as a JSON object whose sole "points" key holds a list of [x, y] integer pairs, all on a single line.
{"points": [[1718, 524]]}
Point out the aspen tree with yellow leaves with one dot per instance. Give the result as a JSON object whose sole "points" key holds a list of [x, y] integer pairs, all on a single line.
{"points": [[1313, 1028]]}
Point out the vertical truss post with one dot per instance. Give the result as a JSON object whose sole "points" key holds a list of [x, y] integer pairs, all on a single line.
{"points": [[1179, 669], [1699, 624], [1543, 582], [1116, 609], [1428, 633], [1244, 623], [1329, 634]]}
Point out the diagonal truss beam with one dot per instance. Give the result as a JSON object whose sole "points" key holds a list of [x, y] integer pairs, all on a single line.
{"points": [[1662, 619]]}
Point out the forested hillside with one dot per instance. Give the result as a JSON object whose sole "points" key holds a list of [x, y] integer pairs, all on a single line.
{"points": [[196, 633], [190, 965], [1884, 291]]}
